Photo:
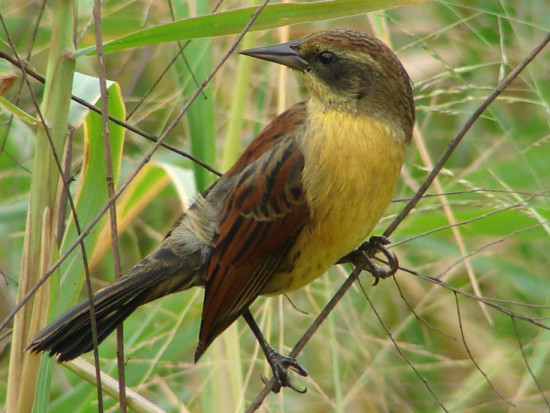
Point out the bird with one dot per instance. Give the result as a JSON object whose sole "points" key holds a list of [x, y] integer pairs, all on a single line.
{"points": [[305, 194]]}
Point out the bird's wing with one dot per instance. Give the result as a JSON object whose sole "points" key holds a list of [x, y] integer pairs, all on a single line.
{"points": [[261, 218]]}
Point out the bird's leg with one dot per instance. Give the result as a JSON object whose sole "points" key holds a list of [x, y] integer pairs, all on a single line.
{"points": [[363, 255], [278, 362]]}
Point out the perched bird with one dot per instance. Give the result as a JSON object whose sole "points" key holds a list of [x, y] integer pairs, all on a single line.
{"points": [[305, 193]]}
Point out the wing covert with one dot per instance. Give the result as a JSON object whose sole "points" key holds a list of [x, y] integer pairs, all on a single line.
{"points": [[261, 218]]}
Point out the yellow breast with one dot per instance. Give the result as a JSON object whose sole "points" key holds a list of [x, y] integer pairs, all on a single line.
{"points": [[352, 164]]}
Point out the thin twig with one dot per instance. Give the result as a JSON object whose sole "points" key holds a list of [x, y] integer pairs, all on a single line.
{"points": [[456, 224], [134, 173], [488, 301], [119, 122], [181, 48], [489, 244], [524, 356], [439, 165], [110, 192], [257, 402], [478, 190], [460, 135], [18, 95], [471, 356], [420, 319], [388, 333]]}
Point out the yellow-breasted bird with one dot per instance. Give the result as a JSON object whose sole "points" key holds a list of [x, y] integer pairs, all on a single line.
{"points": [[305, 193]]}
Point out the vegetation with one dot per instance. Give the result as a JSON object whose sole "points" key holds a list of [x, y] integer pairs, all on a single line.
{"points": [[409, 343]]}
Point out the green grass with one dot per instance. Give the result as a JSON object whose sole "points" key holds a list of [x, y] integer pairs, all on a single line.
{"points": [[470, 357]]}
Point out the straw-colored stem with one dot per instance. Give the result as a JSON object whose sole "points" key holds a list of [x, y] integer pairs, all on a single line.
{"points": [[40, 240]]}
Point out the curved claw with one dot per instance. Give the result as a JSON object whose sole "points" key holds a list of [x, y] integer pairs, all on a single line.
{"points": [[362, 256], [376, 244], [393, 261], [279, 365]]}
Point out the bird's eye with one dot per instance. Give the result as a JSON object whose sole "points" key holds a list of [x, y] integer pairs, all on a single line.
{"points": [[326, 58]]}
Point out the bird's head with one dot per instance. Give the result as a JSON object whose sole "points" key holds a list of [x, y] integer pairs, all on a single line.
{"points": [[351, 71]]}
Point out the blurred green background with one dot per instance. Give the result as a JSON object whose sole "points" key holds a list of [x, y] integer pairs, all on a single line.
{"points": [[451, 350]]}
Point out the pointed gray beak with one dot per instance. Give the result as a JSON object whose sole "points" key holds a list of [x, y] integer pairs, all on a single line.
{"points": [[284, 54]]}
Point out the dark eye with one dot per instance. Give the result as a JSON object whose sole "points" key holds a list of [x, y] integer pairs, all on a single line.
{"points": [[326, 58]]}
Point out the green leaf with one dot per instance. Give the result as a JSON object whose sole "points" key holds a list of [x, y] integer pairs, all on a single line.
{"points": [[87, 88], [233, 21], [92, 189], [17, 112]]}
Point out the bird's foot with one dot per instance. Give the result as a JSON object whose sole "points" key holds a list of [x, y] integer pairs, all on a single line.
{"points": [[280, 365], [362, 257]]}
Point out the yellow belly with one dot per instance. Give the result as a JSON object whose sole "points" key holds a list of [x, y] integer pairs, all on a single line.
{"points": [[352, 164]]}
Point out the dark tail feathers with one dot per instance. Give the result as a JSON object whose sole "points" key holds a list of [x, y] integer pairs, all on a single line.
{"points": [[159, 274]]}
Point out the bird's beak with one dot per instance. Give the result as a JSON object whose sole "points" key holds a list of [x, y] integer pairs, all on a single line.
{"points": [[284, 54]]}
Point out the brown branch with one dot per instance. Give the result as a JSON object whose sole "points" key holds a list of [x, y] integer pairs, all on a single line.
{"points": [[104, 99], [412, 203], [460, 135], [257, 402]]}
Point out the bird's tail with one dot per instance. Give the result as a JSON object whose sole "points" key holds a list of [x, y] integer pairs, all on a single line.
{"points": [[161, 273]]}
